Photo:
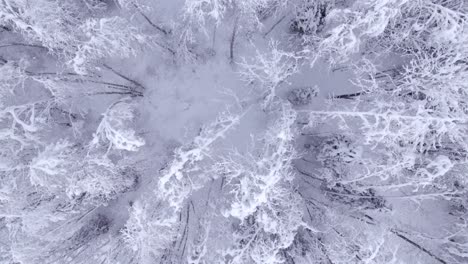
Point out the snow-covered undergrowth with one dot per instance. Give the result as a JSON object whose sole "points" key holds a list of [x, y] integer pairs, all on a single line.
{"points": [[233, 131]]}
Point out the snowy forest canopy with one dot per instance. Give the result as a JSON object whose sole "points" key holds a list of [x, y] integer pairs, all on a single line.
{"points": [[233, 131]]}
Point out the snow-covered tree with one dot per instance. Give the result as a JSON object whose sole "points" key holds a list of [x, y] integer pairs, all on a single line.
{"points": [[72, 30], [105, 37], [263, 196], [269, 71]]}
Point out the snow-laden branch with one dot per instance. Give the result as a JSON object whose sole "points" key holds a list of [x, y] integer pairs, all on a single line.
{"points": [[422, 131], [106, 37], [269, 70], [114, 129]]}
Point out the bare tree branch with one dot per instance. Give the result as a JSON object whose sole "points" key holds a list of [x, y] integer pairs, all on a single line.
{"points": [[22, 44], [233, 40], [274, 25], [397, 233], [162, 30], [125, 77]]}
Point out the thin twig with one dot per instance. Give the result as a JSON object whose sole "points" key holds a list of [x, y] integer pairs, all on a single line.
{"points": [[166, 48], [30, 73], [308, 175], [125, 87], [124, 77], [233, 40], [22, 44], [274, 25], [324, 250], [120, 93], [348, 96], [164, 31], [395, 232], [185, 234]]}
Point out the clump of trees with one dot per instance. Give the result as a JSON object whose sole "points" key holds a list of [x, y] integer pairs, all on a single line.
{"points": [[59, 164], [321, 183]]}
